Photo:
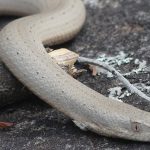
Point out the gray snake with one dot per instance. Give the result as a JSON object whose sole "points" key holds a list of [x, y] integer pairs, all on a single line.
{"points": [[21, 49]]}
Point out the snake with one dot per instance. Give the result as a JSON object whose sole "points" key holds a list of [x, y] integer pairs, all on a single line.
{"points": [[51, 22]]}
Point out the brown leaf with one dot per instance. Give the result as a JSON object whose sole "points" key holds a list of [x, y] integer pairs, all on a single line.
{"points": [[74, 72], [6, 124], [64, 57], [93, 69]]}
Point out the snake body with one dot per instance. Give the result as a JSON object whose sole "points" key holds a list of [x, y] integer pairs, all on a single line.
{"points": [[21, 49]]}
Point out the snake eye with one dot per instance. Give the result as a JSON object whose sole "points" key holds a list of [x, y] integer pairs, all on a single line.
{"points": [[135, 126], [138, 127]]}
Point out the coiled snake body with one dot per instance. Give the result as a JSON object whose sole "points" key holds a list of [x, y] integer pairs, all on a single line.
{"points": [[21, 49]]}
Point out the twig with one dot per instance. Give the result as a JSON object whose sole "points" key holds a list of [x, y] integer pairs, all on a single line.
{"points": [[109, 68]]}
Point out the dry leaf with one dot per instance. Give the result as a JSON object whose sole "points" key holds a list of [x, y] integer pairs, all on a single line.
{"points": [[73, 71], [6, 124], [64, 57], [93, 69]]}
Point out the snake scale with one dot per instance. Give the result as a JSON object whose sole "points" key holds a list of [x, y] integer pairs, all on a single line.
{"points": [[21, 49]]}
